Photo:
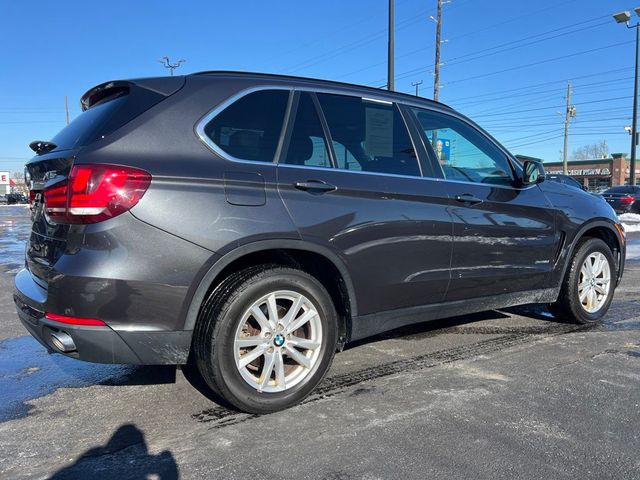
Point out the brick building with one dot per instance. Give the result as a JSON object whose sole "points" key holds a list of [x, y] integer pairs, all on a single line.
{"points": [[598, 174]]}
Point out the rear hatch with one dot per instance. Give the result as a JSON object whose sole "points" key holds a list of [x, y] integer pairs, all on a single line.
{"points": [[106, 108]]}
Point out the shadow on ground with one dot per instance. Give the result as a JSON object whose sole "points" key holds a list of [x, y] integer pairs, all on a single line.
{"points": [[125, 455]]}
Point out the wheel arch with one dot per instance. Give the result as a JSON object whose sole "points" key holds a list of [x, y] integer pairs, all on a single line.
{"points": [[324, 264], [605, 230]]}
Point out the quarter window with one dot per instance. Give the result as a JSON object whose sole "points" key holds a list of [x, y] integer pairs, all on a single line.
{"points": [[307, 145], [249, 129], [462, 152], [369, 136]]}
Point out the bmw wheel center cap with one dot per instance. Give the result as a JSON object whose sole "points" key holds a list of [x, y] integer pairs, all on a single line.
{"points": [[278, 340]]}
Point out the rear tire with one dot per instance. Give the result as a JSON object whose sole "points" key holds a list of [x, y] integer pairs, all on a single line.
{"points": [[587, 289], [265, 338]]}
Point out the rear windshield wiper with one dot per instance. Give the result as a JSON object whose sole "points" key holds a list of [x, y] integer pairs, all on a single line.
{"points": [[41, 146]]}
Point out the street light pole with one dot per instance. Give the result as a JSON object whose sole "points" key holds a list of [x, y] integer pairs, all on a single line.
{"points": [[171, 66], [625, 17]]}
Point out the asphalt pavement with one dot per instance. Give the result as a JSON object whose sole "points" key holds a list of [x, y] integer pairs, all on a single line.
{"points": [[502, 394]]}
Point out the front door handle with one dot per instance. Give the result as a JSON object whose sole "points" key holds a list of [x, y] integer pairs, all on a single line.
{"points": [[468, 199], [315, 186]]}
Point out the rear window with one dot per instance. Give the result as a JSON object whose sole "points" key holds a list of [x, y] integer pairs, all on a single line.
{"points": [[119, 107], [85, 127], [620, 189], [249, 129]]}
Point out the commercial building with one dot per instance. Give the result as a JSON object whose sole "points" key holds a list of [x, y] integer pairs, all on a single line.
{"points": [[598, 174], [5, 186]]}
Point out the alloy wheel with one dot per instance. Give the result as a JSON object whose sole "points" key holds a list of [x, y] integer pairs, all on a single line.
{"points": [[278, 341]]}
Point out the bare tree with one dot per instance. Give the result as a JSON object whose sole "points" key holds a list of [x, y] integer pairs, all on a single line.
{"points": [[19, 185], [592, 151]]}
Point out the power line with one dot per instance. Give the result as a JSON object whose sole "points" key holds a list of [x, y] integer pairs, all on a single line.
{"points": [[541, 62], [510, 46], [551, 82]]}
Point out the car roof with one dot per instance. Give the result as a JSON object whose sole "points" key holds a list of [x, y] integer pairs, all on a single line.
{"points": [[319, 83]]}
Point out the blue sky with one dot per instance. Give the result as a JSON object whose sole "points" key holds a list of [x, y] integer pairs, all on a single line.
{"points": [[506, 63]]}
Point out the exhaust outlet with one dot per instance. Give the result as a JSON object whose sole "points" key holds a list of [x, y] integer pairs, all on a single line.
{"points": [[63, 342]]}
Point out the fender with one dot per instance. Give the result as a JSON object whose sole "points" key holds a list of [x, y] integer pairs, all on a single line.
{"points": [[222, 262], [603, 222]]}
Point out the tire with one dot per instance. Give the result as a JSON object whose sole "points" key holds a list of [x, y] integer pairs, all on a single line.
{"points": [[569, 306], [228, 318]]}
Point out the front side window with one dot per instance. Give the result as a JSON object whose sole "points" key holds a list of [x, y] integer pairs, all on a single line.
{"points": [[462, 152], [307, 145], [249, 129], [369, 136]]}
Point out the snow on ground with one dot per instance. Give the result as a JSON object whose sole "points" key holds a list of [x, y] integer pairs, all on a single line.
{"points": [[633, 251], [631, 222]]}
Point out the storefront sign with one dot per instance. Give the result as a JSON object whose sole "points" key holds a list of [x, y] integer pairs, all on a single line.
{"points": [[585, 172]]}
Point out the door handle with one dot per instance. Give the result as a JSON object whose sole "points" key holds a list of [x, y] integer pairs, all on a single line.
{"points": [[469, 199], [315, 186]]}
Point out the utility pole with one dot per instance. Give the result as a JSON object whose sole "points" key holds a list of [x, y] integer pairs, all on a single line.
{"points": [[171, 66], [66, 107], [416, 84], [634, 126], [569, 114], [436, 73], [390, 49]]}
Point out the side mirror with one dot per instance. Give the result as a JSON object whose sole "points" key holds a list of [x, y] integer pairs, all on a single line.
{"points": [[532, 172]]}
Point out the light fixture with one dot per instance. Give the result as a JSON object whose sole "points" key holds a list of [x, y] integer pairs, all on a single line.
{"points": [[622, 17]]}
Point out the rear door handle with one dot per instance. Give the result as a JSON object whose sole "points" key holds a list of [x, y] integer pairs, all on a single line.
{"points": [[315, 186], [468, 198]]}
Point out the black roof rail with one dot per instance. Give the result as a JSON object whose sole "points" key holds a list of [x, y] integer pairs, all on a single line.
{"points": [[277, 76]]}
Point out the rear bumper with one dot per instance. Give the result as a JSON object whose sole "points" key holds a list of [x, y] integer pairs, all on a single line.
{"points": [[101, 344]]}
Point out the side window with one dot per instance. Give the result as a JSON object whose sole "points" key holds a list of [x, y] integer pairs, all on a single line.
{"points": [[369, 136], [249, 129], [344, 158], [307, 145], [463, 153]]}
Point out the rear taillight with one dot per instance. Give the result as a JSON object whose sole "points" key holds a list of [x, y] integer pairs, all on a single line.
{"points": [[626, 200], [94, 193]]}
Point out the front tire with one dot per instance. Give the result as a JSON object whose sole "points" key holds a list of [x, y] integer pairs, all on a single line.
{"points": [[588, 286], [265, 338]]}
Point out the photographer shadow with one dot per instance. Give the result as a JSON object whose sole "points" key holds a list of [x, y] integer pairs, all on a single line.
{"points": [[125, 455]]}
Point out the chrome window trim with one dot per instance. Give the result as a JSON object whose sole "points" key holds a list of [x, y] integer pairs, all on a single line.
{"points": [[202, 123], [413, 177]]}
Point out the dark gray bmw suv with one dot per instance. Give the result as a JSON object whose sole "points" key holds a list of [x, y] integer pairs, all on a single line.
{"points": [[253, 224]]}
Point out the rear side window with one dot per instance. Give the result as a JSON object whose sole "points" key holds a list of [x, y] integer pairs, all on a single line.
{"points": [[369, 136], [249, 129], [307, 145]]}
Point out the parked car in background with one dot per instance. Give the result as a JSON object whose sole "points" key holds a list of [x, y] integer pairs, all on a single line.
{"points": [[565, 180], [257, 223], [3, 199], [16, 198], [623, 198]]}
